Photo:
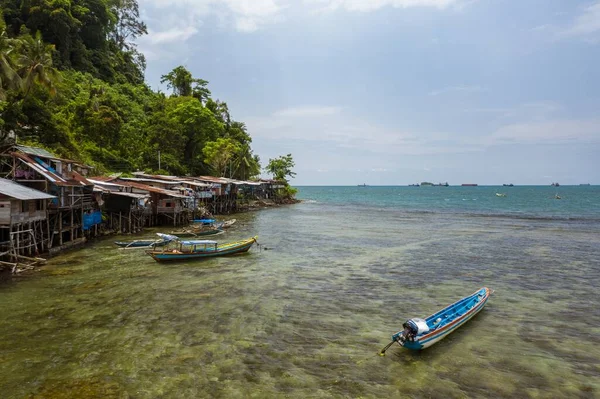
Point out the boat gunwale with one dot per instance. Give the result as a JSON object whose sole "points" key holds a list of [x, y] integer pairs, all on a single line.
{"points": [[221, 250], [435, 332]]}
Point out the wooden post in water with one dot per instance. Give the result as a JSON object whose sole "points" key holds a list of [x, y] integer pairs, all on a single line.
{"points": [[29, 241], [17, 248], [60, 229]]}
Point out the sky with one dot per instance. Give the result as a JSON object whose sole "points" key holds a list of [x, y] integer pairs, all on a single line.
{"points": [[392, 92]]}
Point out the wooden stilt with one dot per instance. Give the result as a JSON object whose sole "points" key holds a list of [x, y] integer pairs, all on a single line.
{"points": [[60, 228]]}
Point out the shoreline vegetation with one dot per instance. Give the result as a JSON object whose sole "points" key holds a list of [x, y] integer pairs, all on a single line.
{"points": [[74, 105]]}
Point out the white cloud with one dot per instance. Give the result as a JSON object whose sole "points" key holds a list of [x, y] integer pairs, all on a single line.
{"points": [[244, 15], [172, 35], [371, 5], [588, 22], [459, 89]]}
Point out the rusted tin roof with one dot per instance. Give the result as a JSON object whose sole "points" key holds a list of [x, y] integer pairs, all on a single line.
{"points": [[20, 192]]}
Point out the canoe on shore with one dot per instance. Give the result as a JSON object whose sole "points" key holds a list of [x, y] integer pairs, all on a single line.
{"points": [[422, 333], [199, 249]]}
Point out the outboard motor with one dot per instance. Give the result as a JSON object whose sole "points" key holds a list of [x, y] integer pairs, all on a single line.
{"points": [[412, 328]]}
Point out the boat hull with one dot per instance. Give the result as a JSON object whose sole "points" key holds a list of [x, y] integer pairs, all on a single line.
{"points": [[140, 244], [459, 312], [199, 233], [222, 250]]}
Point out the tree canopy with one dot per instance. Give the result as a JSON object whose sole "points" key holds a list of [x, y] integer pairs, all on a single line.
{"points": [[281, 167], [72, 81]]}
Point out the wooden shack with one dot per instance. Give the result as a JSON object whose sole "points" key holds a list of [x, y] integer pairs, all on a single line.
{"points": [[168, 206], [23, 221], [124, 211], [73, 211]]}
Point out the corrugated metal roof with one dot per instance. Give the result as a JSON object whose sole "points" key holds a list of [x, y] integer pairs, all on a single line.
{"points": [[104, 178], [159, 177], [52, 177], [97, 182], [20, 192], [212, 179], [151, 189], [131, 195], [40, 152], [140, 179], [195, 184]]}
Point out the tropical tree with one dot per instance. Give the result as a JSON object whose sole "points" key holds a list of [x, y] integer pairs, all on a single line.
{"points": [[239, 132], [9, 79], [127, 26], [179, 80], [281, 167], [36, 64], [182, 83], [246, 164], [219, 154], [220, 110]]}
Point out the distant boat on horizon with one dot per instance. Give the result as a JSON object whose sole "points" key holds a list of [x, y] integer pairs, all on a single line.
{"points": [[426, 183], [469, 184], [363, 185], [508, 185], [555, 184], [413, 185], [585, 184]]}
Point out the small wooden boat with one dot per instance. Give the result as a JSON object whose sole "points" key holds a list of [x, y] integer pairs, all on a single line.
{"points": [[500, 195], [199, 249], [196, 232], [228, 223], [422, 333], [164, 240]]}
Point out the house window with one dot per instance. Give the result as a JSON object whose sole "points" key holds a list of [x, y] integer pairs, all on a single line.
{"points": [[39, 205], [24, 206]]}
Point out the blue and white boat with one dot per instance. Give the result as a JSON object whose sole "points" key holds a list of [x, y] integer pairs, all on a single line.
{"points": [[164, 240], [422, 333]]}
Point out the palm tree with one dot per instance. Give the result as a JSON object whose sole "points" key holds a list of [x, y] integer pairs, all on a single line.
{"points": [[36, 64], [247, 164], [9, 79]]}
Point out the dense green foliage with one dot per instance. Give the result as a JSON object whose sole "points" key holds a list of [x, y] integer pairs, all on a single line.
{"points": [[72, 81], [281, 167]]}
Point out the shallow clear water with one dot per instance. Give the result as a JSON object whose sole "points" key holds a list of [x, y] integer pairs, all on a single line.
{"points": [[306, 317]]}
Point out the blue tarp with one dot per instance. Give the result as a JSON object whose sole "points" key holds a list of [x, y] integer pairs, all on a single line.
{"points": [[204, 221], [91, 219]]}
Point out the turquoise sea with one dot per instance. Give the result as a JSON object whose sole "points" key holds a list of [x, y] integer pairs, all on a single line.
{"points": [[577, 202], [305, 314]]}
